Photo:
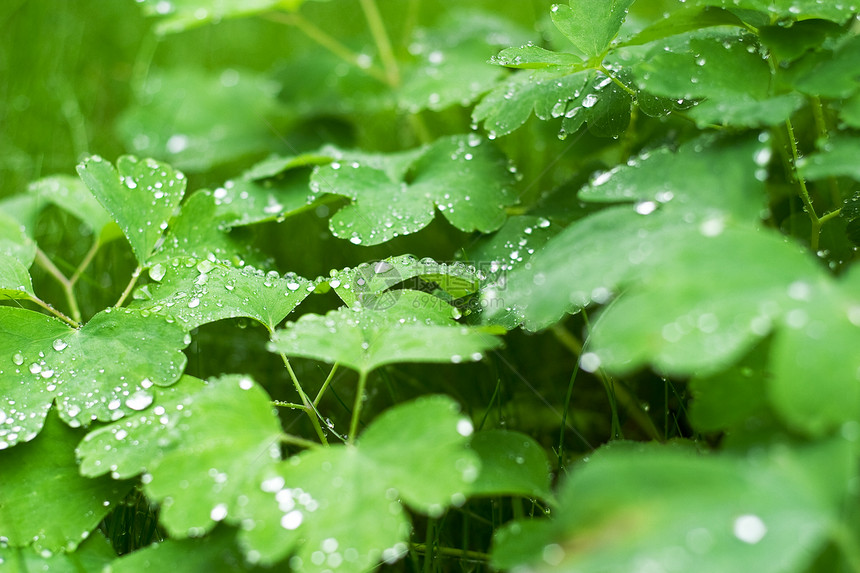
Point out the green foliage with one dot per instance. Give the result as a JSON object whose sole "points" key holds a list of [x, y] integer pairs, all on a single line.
{"points": [[634, 349]]}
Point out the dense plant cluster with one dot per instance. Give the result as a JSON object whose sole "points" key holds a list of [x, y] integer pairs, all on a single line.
{"points": [[415, 285]]}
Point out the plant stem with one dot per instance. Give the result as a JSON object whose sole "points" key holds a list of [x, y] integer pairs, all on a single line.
{"points": [[306, 404], [68, 285], [383, 43], [325, 384], [356, 408], [298, 441], [328, 42], [450, 551], [631, 92], [615, 392], [128, 288], [804, 192], [54, 311], [290, 405], [88, 258]]}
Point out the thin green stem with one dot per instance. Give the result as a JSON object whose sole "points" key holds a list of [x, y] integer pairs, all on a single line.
{"points": [[290, 405], [306, 403], [328, 42], [804, 192], [325, 384], [631, 92], [383, 43], [823, 135], [54, 311], [88, 258], [567, 398], [68, 286], [297, 441], [450, 551], [128, 288], [828, 216], [356, 408]]}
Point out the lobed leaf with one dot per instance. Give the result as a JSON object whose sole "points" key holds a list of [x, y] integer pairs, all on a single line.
{"points": [[512, 463], [15, 282], [415, 328], [141, 196], [201, 445], [464, 176], [838, 158], [342, 506], [590, 25], [786, 10], [14, 241], [44, 501], [94, 554], [70, 194], [530, 56], [197, 292], [677, 510], [103, 371]]}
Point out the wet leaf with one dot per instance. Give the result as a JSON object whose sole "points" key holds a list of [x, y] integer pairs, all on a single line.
{"points": [[43, 499], [702, 69], [103, 371], [93, 554], [197, 292], [838, 158], [14, 279], [369, 283], [590, 24], [201, 444], [530, 56], [343, 505], [70, 194], [508, 106], [197, 232], [465, 177], [417, 327], [687, 176], [141, 195], [196, 120], [835, 76], [512, 463], [680, 511], [791, 9], [707, 306], [179, 15], [14, 241]]}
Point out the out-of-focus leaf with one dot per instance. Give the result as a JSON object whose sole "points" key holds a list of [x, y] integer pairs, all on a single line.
{"points": [[838, 158], [70, 193], [511, 464], [94, 554], [195, 120], [179, 15]]}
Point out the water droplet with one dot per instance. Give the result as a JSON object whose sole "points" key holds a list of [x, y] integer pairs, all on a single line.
{"points": [[465, 427], [59, 344], [18, 359], [139, 400], [156, 272], [292, 519], [219, 512], [749, 528], [589, 361]]}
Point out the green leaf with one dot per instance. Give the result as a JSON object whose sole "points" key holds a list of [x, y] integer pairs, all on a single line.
{"points": [[416, 328], [141, 195], [530, 56], [15, 280], [197, 292], [835, 76], [43, 499], [790, 43], [686, 18], [680, 512], [545, 92], [838, 158], [687, 176], [369, 283], [512, 463], [709, 303], [196, 120], [180, 15], [703, 67], [782, 10], [850, 111], [70, 194], [819, 336], [94, 554], [465, 177], [14, 241], [590, 24], [103, 371], [214, 553], [196, 232], [202, 446], [343, 505]]}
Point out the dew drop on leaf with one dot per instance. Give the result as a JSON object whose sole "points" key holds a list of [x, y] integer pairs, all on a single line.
{"points": [[139, 400]]}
